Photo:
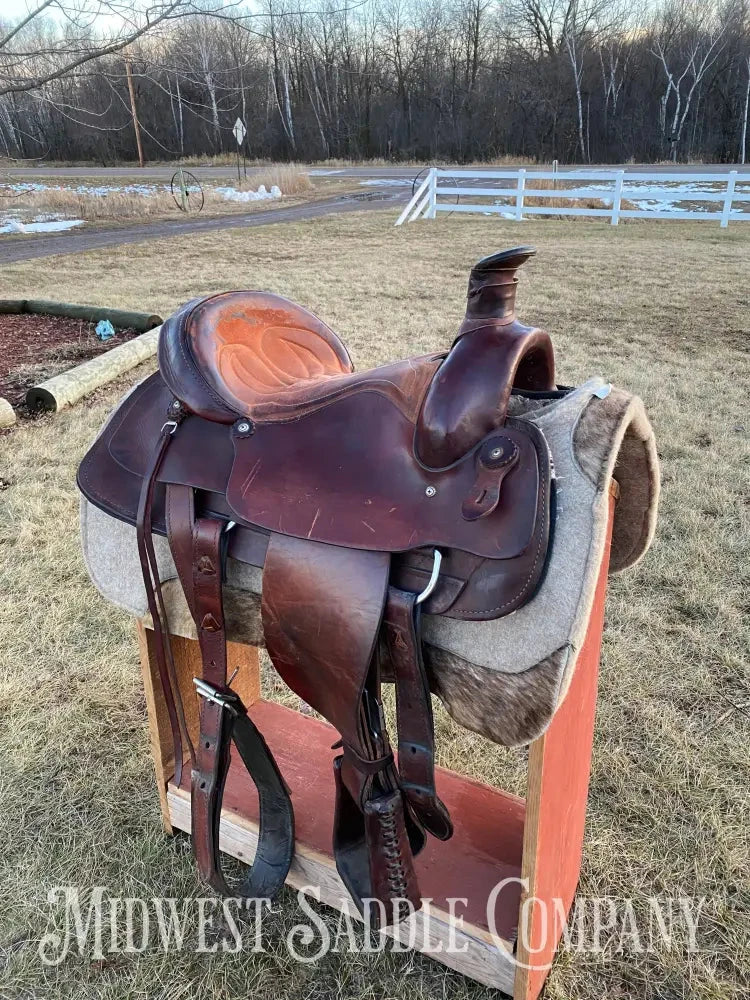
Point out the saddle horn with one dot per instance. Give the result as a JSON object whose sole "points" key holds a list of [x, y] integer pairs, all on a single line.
{"points": [[492, 353]]}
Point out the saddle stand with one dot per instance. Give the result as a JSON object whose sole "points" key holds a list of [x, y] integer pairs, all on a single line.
{"points": [[365, 501]]}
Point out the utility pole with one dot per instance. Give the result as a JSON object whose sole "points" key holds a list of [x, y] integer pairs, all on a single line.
{"points": [[136, 126]]}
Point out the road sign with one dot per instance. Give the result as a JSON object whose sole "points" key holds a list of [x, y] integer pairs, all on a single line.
{"points": [[239, 131]]}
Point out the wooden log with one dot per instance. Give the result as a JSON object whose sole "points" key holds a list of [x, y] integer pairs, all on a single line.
{"points": [[122, 319], [7, 413], [63, 390], [12, 305]]}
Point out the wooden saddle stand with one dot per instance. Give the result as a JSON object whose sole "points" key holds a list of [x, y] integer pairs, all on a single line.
{"points": [[367, 500]]}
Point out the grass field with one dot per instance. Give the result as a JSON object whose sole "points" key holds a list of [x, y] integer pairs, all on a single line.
{"points": [[661, 309]]}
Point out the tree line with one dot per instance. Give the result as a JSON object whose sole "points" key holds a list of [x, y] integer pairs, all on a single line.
{"points": [[430, 80]]}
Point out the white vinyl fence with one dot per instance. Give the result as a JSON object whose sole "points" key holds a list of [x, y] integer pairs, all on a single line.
{"points": [[621, 194]]}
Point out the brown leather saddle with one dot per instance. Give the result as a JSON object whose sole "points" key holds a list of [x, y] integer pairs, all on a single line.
{"points": [[366, 498]]}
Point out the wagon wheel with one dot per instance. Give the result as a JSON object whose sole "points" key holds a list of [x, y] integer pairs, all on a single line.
{"points": [[187, 191]]}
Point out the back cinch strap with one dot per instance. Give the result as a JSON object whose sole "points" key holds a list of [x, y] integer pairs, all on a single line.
{"points": [[223, 719]]}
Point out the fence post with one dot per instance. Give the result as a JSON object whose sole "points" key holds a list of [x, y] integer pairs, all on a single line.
{"points": [[731, 180], [519, 194], [430, 213], [415, 204], [617, 200]]}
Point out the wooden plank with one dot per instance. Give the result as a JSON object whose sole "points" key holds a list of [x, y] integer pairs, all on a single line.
{"points": [[452, 942], [486, 845], [582, 174], [158, 721], [556, 796]]}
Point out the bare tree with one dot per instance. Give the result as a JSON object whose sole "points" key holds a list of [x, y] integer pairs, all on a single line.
{"points": [[458, 79], [25, 66], [688, 42], [743, 140]]}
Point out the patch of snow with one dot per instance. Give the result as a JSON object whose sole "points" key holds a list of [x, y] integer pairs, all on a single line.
{"points": [[99, 191], [50, 226], [232, 194], [388, 182], [674, 195]]}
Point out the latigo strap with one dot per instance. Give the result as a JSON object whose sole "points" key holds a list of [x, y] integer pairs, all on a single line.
{"points": [[416, 735]]}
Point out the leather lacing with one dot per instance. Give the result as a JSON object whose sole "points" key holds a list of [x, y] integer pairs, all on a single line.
{"points": [[392, 852]]}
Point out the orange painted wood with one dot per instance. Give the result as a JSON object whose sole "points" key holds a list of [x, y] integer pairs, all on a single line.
{"points": [[556, 797], [485, 848]]}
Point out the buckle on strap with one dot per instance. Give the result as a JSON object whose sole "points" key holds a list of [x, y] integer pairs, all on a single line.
{"points": [[225, 699], [432, 582]]}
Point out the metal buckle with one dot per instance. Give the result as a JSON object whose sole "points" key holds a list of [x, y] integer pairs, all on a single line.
{"points": [[432, 582], [169, 423], [210, 693]]}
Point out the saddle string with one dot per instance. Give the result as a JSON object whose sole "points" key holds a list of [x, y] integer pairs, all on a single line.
{"points": [[155, 603]]}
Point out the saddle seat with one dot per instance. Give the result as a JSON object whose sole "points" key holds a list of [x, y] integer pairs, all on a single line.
{"points": [[267, 358]]}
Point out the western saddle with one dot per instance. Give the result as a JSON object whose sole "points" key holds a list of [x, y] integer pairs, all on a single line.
{"points": [[367, 499]]}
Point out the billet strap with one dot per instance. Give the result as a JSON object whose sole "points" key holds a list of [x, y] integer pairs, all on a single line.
{"points": [[223, 719], [322, 610], [416, 734], [155, 601]]}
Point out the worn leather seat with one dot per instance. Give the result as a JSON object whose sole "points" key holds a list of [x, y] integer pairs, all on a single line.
{"points": [[268, 358]]}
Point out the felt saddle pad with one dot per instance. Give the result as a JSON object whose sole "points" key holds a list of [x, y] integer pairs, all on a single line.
{"points": [[502, 678]]}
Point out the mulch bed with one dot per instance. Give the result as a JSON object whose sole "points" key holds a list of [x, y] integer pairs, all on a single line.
{"points": [[34, 348]]}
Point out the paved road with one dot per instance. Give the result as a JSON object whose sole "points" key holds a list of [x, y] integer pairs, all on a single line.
{"points": [[165, 171], [19, 248]]}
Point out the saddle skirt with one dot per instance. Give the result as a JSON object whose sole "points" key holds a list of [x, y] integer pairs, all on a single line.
{"points": [[437, 523]]}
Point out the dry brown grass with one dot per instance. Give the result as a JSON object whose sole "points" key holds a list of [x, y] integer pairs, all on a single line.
{"points": [[290, 178], [73, 204], [659, 308], [80, 200]]}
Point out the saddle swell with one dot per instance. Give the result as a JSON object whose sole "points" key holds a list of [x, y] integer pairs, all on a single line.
{"points": [[368, 498]]}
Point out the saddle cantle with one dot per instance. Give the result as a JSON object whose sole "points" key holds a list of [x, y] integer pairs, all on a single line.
{"points": [[367, 498]]}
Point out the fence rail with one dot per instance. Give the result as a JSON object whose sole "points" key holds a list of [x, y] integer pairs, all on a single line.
{"points": [[620, 186]]}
